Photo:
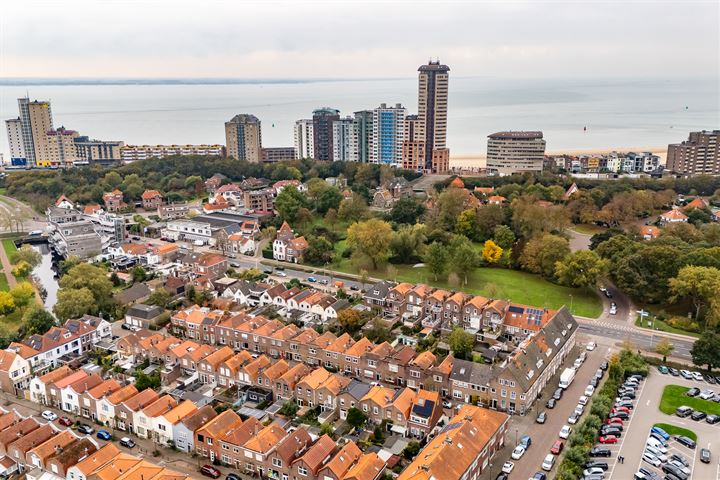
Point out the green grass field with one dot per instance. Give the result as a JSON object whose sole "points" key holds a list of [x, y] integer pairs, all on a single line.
{"points": [[588, 229], [674, 430], [4, 287], [661, 326], [9, 247], [10, 323], [520, 287], [674, 396]]}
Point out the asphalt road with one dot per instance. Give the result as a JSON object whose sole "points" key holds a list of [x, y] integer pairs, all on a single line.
{"points": [[644, 341]]}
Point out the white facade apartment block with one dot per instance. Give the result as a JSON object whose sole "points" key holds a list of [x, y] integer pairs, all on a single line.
{"points": [[342, 136], [303, 136], [15, 138]]}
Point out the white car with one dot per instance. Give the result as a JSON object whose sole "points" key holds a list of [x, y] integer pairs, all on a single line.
{"points": [[583, 400], [594, 471], [49, 416], [698, 376], [656, 452], [651, 459], [579, 409], [591, 346], [573, 419], [657, 444], [707, 394], [613, 309], [508, 467], [686, 374], [565, 431], [589, 390], [518, 452], [281, 274], [548, 462]]}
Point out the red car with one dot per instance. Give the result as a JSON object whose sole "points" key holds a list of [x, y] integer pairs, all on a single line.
{"points": [[621, 409], [210, 471], [617, 421], [65, 421], [608, 439], [557, 447]]}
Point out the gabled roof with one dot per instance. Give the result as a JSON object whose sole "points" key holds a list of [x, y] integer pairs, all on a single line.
{"points": [[221, 424], [199, 418], [70, 379], [266, 439], [141, 400], [179, 412], [368, 467], [160, 406], [98, 459], [50, 446], [343, 460], [318, 453], [674, 215], [105, 388], [293, 444], [150, 194]]}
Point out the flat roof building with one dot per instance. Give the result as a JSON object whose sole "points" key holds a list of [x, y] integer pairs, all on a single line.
{"points": [[515, 152]]}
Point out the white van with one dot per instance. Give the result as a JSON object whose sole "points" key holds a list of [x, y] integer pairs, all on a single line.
{"points": [[548, 463]]}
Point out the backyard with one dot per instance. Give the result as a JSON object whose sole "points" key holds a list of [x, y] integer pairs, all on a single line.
{"points": [[674, 396]]}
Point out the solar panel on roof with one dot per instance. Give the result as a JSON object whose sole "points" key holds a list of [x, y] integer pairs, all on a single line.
{"points": [[424, 410], [514, 309]]}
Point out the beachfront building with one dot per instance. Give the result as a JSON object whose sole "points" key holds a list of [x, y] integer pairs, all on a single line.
{"points": [[515, 152], [303, 135], [132, 153], [388, 130], [323, 119], [243, 138], [342, 134], [698, 155], [432, 114], [361, 137]]}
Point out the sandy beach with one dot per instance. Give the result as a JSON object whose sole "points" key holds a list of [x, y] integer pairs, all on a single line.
{"points": [[478, 160]]}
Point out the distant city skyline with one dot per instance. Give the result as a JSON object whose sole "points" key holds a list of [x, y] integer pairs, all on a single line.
{"points": [[266, 40]]}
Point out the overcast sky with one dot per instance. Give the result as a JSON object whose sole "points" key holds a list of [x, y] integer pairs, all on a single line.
{"points": [[302, 39]]}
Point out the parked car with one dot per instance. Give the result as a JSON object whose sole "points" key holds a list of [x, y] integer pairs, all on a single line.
{"points": [[565, 431], [210, 471], [49, 415], [705, 455], [508, 467], [697, 376], [589, 390], [683, 440], [597, 464], [710, 379], [613, 309], [651, 459], [311, 279], [645, 474], [656, 442], [682, 467], [557, 395], [541, 418], [573, 419], [686, 374], [698, 415], [548, 463], [680, 458], [65, 421], [518, 452], [525, 441], [233, 476], [674, 372], [593, 471], [583, 400], [86, 429], [660, 432], [712, 419], [609, 430], [622, 415], [600, 452], [551, 403], [663, 369], [539, 476], [557, 447], [614, 421], [707, 394], [591, 346], [608, 439], [693, 392], [684, 411], [127, 442], [103, 435]]}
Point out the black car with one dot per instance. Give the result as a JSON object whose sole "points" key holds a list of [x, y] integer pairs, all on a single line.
{"points": [[551, 403], [710, 379], [628, 394], [608, 294], [620, 415], [600, 452], [502, 476], [597, 464], [539, 476], [611, 431], [268, 270], [233, 476], [674, 372], [712, 419], [683, 440], [697, 415], [673, 470], [705, 455], [693, 392], [125, 326], [717, 378], [604, 365]]}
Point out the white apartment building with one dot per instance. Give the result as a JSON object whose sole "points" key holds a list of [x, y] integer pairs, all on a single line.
{"points": [[132, 153], [388, 135], [303, 136], [342, 139]]}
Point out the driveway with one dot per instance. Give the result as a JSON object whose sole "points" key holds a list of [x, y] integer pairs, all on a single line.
{"points": [[543, 436], [637, 432]]}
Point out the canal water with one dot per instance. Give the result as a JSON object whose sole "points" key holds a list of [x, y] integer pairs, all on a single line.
{"points": [[45, 274]]}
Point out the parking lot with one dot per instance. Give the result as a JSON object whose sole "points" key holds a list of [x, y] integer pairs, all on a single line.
{"points": [[544, 435], [637, 430]]}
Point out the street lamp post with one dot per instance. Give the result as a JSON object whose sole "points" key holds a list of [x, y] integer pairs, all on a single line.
{"points": [[571, 302]]}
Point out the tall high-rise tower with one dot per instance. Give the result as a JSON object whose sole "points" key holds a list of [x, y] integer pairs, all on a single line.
{"points": [[432, 115], [35, 122], [243, 138], [323, 119]]}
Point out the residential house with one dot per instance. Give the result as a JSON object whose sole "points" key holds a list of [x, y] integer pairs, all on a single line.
{"points": [[89, 398], [90, 464], [258, 448], [19, 449], [146, 420], [38, 456], [164, 425], [143, 316], [127, 410], [368, 467], [17, 430], [42, 389], [114, 201], [207, 437], [288, 248], [339, 465], [151, 199], [673, 216], [309, 463], [66, 457], [281, 458], [106, 414], [71, 394], [184, 430], [15, 372]]}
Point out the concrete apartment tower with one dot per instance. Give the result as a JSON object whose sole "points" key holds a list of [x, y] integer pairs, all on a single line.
{"points": [[323, 119], [15, 141], [34, 123], [432, 115], [342, 139], [698, 155], [303, 136], [515, 152], [243, 138], [362, 130]]}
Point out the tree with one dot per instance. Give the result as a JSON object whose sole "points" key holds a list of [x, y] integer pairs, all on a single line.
{"points": [[74, 303], [503, 236], [488, 218], [408, 243], [319, 251], [195, 184], [26, 254], [461, 343], [664, 348], [144, 381], [139, 274], [92, 278], [328, 198], [37, 320], [22, 293], [491, 252], [356, 418], [289, 409], [530, 219], [463, 257], [583, 268], [436, 259], [7, 304], [326, 429], [467, 223], [706, 350], [448, 207], [350, 320], [353, 209], [160, 297], [702, 284], [21, 269], [411, 450], [541, 254], [407, 210], [370, 240], [288, 202], [646, 273]]}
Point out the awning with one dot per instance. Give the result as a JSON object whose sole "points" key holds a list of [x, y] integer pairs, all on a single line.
{"points": [[398, 429]]}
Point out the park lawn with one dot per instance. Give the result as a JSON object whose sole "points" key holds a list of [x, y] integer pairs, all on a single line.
{"points": [[588, 229], [9, 324], [661, 326], [9, 246], [520, 287], [675, 430], [674, 396], [4, 287]]}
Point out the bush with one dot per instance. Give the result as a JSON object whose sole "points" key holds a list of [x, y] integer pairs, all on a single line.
{"points": [[684, 323]]}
